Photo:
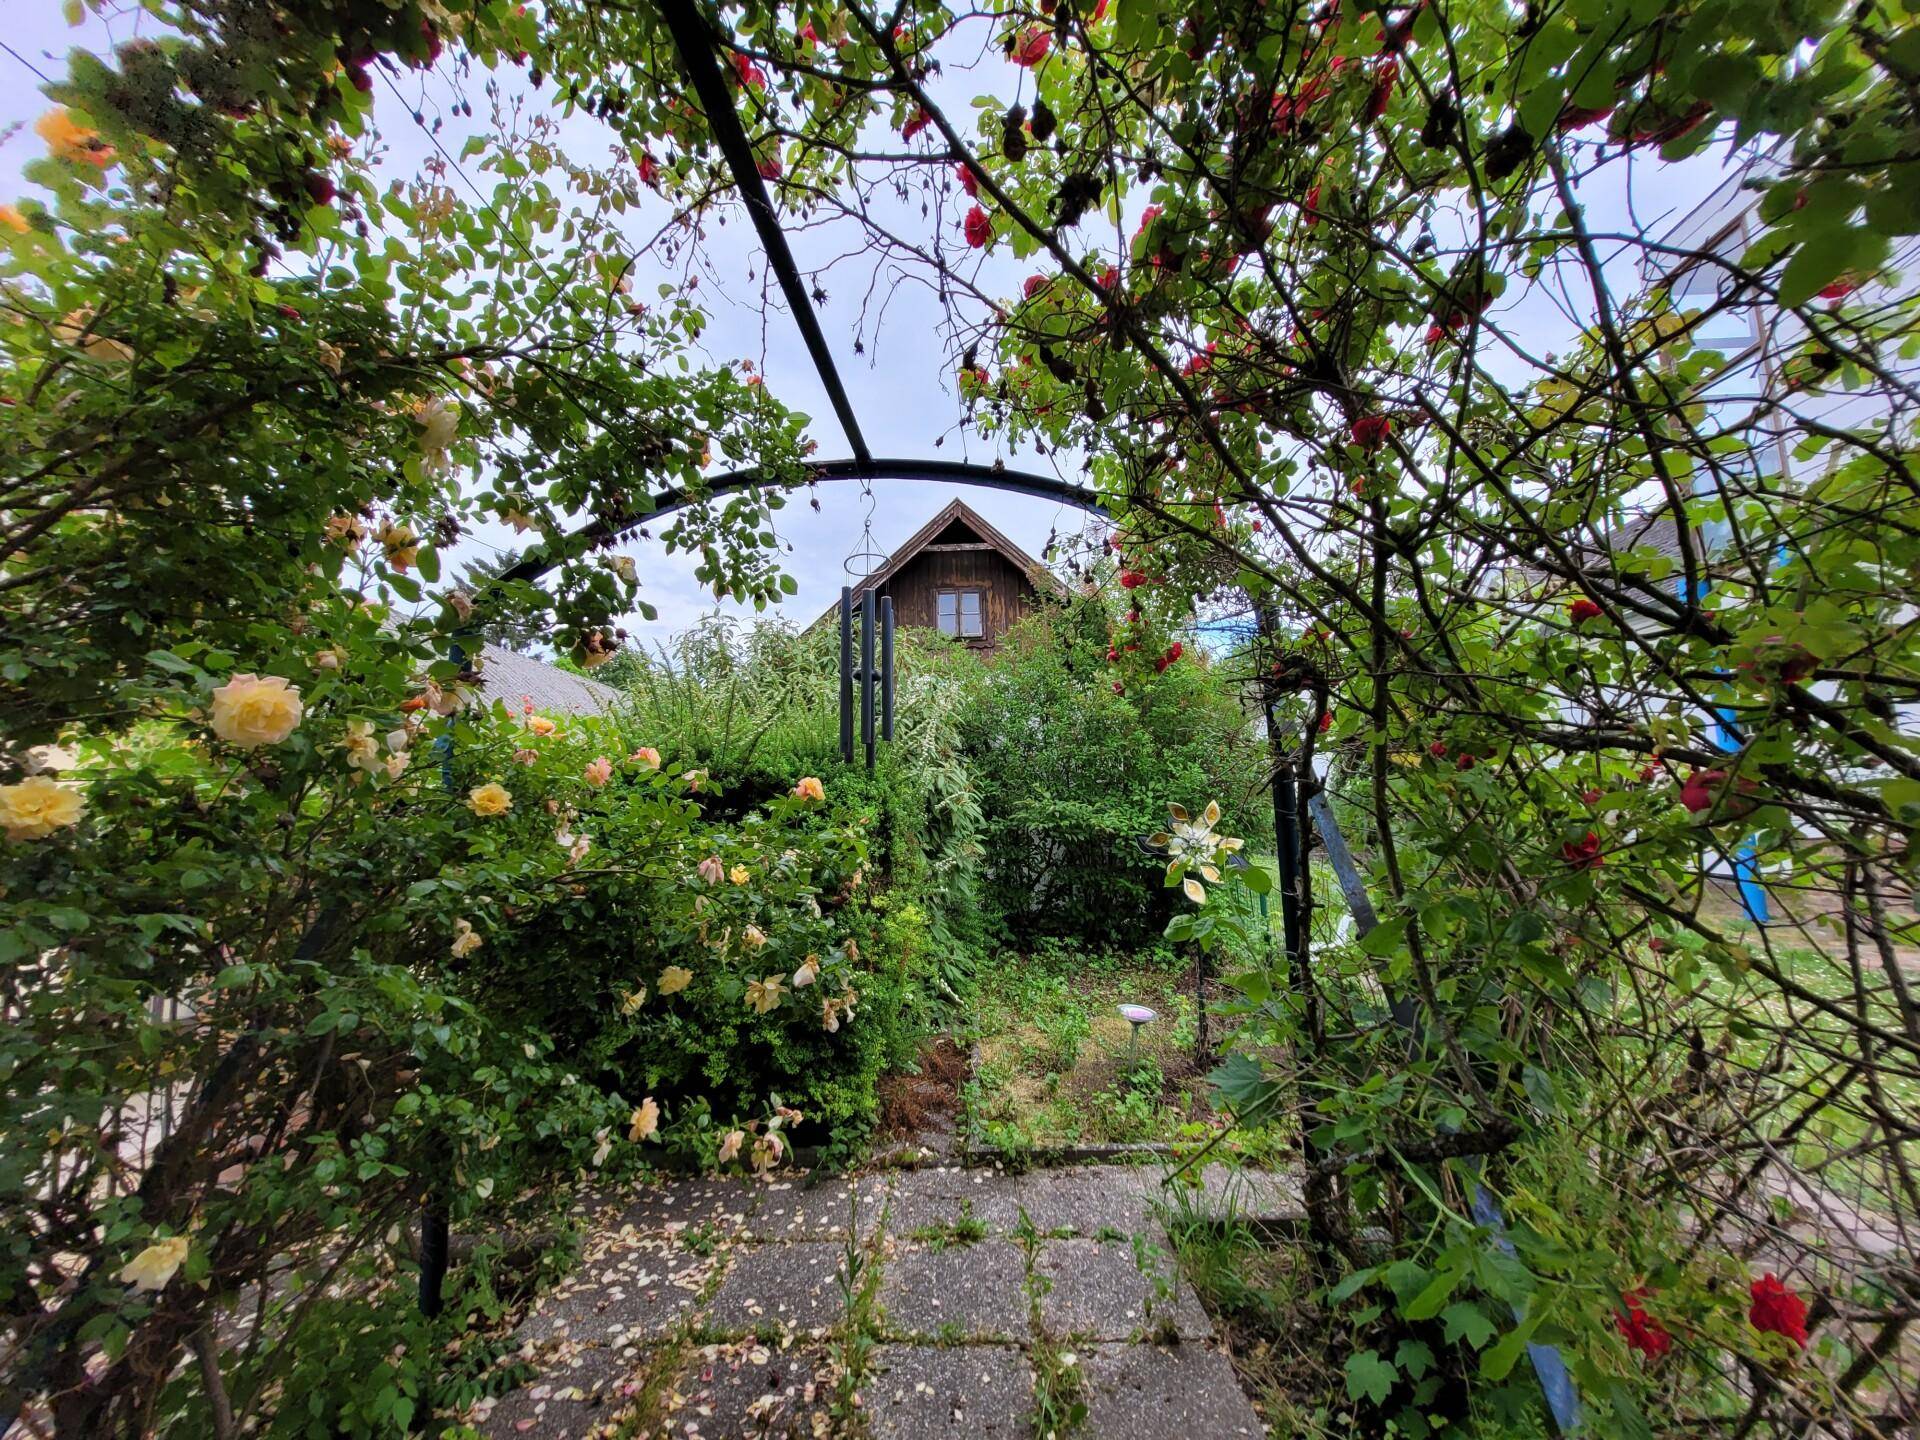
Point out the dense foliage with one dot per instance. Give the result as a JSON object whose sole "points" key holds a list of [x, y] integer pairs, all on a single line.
{"points": [[1295, 264]]}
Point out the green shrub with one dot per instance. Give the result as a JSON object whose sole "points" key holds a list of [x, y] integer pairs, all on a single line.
{"points": [[1072, 776]]}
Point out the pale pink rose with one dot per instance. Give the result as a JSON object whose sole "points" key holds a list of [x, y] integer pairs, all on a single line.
{"points": [[712, 871], [599, 770]]}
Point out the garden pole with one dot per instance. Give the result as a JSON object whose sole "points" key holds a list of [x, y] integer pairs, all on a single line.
{"points": [[1549, 1367]]}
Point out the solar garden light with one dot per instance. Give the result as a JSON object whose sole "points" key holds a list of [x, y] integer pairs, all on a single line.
{"points": [[1136, 1016]]}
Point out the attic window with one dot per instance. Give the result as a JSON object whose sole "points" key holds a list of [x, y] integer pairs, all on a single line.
{"points": [[960, 613]]}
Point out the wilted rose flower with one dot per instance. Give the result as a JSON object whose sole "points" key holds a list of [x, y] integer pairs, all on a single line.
{"points": [[645, 1121], [154, 1266]]}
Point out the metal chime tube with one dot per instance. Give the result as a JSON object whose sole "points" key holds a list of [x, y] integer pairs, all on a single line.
{"points": [[846, 674], [886, 668], [867, 627]]}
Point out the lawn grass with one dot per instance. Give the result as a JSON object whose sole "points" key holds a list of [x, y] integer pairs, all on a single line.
{"points": [[1056, 1065]]}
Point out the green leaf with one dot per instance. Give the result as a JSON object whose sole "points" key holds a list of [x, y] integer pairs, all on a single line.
{"points": [[1463, 1320], [1495, 1363], [1370, 1375], [1825, 256], [1428, 1302]]}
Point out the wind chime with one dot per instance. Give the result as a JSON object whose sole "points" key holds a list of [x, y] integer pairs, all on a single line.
{"points": [[876, 632]]}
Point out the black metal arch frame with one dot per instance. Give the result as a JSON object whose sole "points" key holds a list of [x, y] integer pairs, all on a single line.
{"points": [[664, 502]]}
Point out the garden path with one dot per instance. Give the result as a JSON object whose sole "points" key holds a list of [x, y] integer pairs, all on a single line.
{"points": [[901, 1305]]}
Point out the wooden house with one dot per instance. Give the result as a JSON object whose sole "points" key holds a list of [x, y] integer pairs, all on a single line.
{"points": [[960, 576]]}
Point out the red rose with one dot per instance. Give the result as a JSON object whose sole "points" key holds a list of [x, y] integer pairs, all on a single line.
{"points": [[1583, 610], [1131, 579], [967, 182], [1465, 762], [1777, 1310], [1326, 722], [1113, 655], [1118, 688], [749, 74], [806, 35], [1642, 1331], [1438, 749], [1583, 854], [1572, 117], [769, 168], [649, 170], [1370, 432], [921, 119], [1035, 284], [1696, 791], [1384, 80], [1591, 797], [1175, 651], [1033, 45], [1313, 206], [979, 228], [1840, 289]]}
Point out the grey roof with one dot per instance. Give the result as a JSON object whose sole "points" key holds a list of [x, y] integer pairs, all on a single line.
{"points": [[509, 677]]}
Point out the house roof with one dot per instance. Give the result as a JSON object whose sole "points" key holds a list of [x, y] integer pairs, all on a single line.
{"points": [[511, 677], [958, 510]]}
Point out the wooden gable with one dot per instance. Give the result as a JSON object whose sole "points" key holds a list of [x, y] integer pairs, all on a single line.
{"points": [[959, 574]]}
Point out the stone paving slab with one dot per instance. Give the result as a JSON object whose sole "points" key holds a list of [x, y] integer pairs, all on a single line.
{"points": [[796, 1211], [752, 1392], [1150, 1392], [579, 1388], [627, 1287], [671, 1207], [972, 1292], [1100, 1292], [923, 1392], [795, 1287], [943, 1195], [1086, 1201]]}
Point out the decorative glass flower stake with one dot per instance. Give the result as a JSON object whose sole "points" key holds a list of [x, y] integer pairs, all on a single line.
{"points": [[1136, 1016]]}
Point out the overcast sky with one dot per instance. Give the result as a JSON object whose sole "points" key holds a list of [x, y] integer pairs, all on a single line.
{"points": [[901, 386]]}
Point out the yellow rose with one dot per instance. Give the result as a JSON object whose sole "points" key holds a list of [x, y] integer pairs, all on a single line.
{"points": [[72, 141], [489, 800], [644, 1121], [739, 874], [75, 329], [540, 725], [11, 217], [764, 995], [38, 806], [465, 940], [633, 1000], [363, 751], [154, 1266], [253, 710], [674, 979], [810, 789]]}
